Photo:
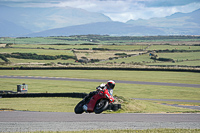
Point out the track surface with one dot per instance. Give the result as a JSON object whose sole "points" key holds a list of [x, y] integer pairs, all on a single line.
{"points": [[12, 121], [99, 80]]}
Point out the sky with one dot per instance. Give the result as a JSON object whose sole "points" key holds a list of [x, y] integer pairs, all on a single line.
{"points": [[117, 10]]}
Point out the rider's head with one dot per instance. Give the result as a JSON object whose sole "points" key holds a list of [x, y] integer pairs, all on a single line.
{"points": [[111, 84]]}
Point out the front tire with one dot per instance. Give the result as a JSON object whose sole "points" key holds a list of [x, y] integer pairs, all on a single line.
{"points": [[101, 105], [79, 107]]}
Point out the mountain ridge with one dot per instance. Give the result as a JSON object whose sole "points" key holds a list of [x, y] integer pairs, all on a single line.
{"points": [[100, 28], [175, 24], [51, 22], [40, 19]]}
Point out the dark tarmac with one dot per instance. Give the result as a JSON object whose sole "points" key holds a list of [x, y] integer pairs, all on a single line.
{"points": [[99, 80], [19, 121]]}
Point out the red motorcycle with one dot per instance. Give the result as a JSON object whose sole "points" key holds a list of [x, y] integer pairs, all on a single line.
{"points": [[97, 103]]}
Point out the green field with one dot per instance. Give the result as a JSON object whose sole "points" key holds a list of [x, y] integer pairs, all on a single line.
{"points": [[37, 51], [148, 76], [173, 47], [181, 63], [125, 51], [60, 47], [79, 39], [126, 90]]}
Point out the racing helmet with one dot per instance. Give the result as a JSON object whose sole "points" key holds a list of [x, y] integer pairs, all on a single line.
{"points": [[110, 84]]}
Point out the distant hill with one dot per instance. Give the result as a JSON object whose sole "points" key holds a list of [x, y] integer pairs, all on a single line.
{"points": [[100, 28], [40, 19], [67, 21], [176, 24], [9, 29]]}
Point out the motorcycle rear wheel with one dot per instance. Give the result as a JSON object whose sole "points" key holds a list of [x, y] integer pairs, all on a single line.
{"points": [[79, 107], [101, 105]]}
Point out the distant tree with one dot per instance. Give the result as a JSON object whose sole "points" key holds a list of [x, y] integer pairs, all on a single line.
{"points": [[4, 58]]}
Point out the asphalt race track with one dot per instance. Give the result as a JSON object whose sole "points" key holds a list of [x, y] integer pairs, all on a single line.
{"points": [[12, 121], [99, 80], [22, 121]]}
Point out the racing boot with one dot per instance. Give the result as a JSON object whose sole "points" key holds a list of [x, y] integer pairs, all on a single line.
{"points": [[85, 108]]}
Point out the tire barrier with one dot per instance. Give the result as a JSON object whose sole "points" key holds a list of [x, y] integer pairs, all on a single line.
{"points": [[15, 95], [114, 107]]}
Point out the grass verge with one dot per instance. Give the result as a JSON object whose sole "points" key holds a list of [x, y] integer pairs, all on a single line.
{"points": [[61, 104], [148, 76]]}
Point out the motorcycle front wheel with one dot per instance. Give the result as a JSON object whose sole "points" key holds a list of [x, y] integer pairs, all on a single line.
{"points": [[79, 108], [101, 105]]}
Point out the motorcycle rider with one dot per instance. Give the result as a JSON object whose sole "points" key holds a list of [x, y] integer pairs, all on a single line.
{"points": [[109, 86]]}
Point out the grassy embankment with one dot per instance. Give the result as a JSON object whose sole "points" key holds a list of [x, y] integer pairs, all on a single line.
{"points": [[126, 90]]}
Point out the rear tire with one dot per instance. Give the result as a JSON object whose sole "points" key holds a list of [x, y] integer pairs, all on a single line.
{"points": [[101, 105], [79, 107]]}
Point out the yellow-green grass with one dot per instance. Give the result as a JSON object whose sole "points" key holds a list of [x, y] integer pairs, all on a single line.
{"points": [[127, 131], [78, 46], [148, 76], [137, 106], [56, 104], [27, 61], [175, 102], [37, 51], [126, 90], [87, 39], [175, 56], [144, 59], [101, 55], [118, 47], [54, 46], [63, 104], [124, 47], [180, 56], [49, 86], [184, 63], [140, 58], [175, 47], [43, 40]]}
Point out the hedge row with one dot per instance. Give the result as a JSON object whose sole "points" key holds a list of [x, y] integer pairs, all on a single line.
{"points": [[36, 56], [14, 95], [3, 58], [171, 68]]}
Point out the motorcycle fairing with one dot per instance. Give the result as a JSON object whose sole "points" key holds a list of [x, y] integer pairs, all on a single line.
{"points": [[93, 101]]}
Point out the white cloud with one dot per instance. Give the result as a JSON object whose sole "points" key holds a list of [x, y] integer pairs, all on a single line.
{"points": [[118, 10], [124, 10], [142, 12]]}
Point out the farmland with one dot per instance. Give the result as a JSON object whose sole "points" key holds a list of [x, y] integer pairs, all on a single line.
{"points": [[102, 50], [96, 50]]}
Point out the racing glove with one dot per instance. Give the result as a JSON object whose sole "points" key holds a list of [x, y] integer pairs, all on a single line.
{"points": [[101, 86]]}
